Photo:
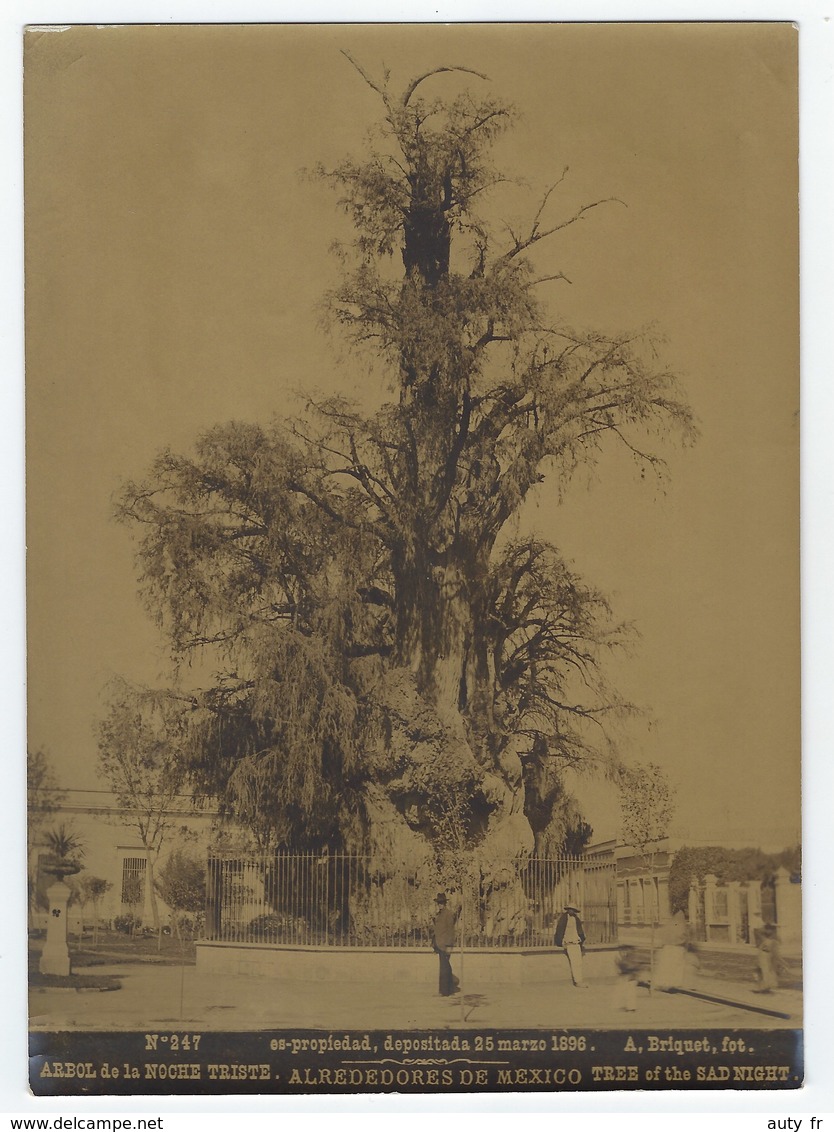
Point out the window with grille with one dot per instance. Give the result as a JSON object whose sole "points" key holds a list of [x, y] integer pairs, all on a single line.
{"points": [[133, 880]]}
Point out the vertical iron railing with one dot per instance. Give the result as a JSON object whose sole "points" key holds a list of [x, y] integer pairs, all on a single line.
{"points": [[345, 900]]}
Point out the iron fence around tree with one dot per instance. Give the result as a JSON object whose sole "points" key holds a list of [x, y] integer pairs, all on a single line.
{"points": [[347, 900]]}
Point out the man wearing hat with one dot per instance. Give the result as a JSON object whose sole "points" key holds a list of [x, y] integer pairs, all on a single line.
{"points": [[443, 940], [571, 935]]}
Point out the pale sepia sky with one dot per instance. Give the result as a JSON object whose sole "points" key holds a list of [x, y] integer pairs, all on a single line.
{"points": [[176, 257]]}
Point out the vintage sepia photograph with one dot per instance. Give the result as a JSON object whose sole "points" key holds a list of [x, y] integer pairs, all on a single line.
{"points": [[413, 558]]}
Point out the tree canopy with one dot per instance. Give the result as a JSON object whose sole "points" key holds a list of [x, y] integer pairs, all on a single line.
{"points": [[751, 864], [377, 633]]}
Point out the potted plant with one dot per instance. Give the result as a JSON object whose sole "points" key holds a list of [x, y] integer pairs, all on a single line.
{"points": [[65, 853]]}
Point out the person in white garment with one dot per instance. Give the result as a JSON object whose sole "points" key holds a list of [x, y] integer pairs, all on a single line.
{"points": [[571, 935]]}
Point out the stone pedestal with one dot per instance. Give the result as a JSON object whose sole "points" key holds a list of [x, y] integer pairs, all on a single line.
{"points": [[55, 958], [755, 921], [695, 914], [734, 911], [710, 882]]}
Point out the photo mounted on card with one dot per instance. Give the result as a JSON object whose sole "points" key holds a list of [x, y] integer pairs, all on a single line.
{"points": [[413, 558]]}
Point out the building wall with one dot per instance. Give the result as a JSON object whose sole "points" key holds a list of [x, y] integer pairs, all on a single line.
{"points": [[113, 851], [643, 886], [642, 881]]}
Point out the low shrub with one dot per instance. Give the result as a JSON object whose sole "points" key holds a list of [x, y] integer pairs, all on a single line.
{"points": [[127, 923]]}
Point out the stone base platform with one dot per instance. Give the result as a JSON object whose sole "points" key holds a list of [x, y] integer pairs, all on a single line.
{"points": [[395, 964]]}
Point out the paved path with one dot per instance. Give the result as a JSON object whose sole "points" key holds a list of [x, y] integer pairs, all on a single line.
{"points": [[170, 997]]}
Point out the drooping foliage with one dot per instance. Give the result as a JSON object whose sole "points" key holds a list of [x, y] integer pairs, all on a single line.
{"points": [[375, 639], [182, 882]]}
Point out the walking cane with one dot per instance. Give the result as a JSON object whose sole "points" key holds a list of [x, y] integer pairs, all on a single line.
{"points": [[462, 943]]}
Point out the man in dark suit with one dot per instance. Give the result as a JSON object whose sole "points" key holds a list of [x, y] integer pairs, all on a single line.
{"points": [[443, 940], [571, 935]]}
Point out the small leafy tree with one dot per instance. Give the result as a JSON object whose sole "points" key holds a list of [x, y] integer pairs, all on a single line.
{"points": [[77, 899], [140, 756], [91, 890], [96, 889], [182, 885], [647, 803]]}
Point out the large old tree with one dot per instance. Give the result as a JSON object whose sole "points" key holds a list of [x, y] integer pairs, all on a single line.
{"points": [[388, 662]]}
